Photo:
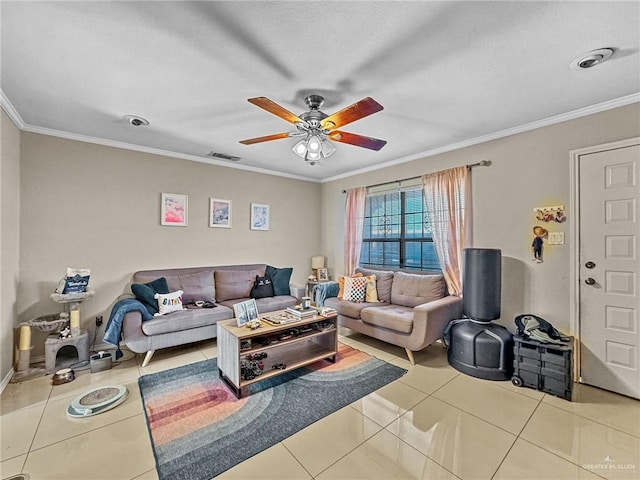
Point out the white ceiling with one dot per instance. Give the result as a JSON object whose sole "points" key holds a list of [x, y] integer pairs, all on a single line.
{"points": [[447, 73]]}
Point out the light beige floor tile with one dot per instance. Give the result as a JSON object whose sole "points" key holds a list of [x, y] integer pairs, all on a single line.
{"points": [[85, 381], [593, 446], [119, 450], [507, 410], [385, 456], [150, 475], [56, 425], [28, 394], [428, 378], [526, 461], [389, 402], [527, 392], [322, 443], [273, 463], [12, 467], [209, 348], [17, 430], [611, 409], [460, 442], [168, 358]]}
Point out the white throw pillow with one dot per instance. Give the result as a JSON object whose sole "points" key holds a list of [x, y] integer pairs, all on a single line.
{"points": [[170, 302], [355, 289]]}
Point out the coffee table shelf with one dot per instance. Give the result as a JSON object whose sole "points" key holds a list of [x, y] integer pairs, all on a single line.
{"points": [[295, 352]]}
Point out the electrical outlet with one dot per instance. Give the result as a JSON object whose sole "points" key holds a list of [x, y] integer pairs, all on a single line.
{"points": [[98, 321]]}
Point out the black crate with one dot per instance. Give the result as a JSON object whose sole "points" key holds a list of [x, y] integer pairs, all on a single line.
{"points": [[542, 366]]}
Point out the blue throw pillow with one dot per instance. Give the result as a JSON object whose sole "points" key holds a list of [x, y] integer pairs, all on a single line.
{"points": [[280, 277], [145, 293]]}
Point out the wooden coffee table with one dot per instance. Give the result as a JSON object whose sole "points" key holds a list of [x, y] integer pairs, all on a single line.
{"points": [[287, 347]]}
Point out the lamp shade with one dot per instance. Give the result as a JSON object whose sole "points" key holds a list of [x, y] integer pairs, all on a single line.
{"points": [[317, 262]]}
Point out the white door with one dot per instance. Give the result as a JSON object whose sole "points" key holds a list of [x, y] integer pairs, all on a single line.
{"points": [[609, 296]]}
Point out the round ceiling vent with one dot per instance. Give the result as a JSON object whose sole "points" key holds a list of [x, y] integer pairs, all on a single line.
{"points": [[136, 121], [591, 59]]}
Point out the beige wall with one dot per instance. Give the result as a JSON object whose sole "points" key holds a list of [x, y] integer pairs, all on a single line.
{"points": [[528, 170], [9, 237], [91, 206]]}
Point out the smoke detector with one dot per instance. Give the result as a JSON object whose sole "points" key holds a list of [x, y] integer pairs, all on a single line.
{"points": [[591, 59]]}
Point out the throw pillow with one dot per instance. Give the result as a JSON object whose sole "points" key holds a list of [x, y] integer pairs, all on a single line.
{"points": [[280, 277], [341, 283], [262, 287], [355, 289], [372, 290], [171, 302], [145, 293]]}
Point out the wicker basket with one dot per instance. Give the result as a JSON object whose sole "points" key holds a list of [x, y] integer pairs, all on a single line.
{"points": [[48, 323]]}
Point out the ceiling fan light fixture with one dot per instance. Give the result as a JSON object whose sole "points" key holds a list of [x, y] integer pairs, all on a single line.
{"points": [[328, 148], [312, 157], [300, 148], [314, 144]]}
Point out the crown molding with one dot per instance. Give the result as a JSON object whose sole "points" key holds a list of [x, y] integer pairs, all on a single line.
{"points": [[157, 151], [545, 122], [10, 111]]}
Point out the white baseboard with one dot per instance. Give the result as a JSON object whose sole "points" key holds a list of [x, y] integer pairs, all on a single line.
{"points": [[6, 380]]}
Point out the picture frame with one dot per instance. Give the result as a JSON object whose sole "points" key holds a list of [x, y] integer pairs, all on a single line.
{"points": [[219, 213], [174, 209], [245, 312], [260, 216], [323, 275]]}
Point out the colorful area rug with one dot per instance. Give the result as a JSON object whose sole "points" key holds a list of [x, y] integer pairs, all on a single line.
{"points": [[199, 428]]}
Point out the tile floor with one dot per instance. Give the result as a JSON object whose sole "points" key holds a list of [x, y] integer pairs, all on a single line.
{"points": [[433, 423]]}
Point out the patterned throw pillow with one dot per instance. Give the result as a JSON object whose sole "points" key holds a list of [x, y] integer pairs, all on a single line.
{"points": [[171, 302], [341, 284], [355, 289]]}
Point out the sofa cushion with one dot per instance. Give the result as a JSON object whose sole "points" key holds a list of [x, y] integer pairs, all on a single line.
{"points": [[197, 287], [347, 309], [186, 320], [410, 290], [170, 302], [280, 278], [384, 281], [145, 293], [232, 284], [355, 289], [393, 317]]}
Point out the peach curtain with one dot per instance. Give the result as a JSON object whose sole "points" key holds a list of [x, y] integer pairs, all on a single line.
{"points": [[447, 197], [353, 225]]}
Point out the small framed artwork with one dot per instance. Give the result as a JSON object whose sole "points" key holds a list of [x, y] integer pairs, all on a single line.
{"points": [[219, 213], [245, 312], [173, 210], [323, 275], [259, 216]]}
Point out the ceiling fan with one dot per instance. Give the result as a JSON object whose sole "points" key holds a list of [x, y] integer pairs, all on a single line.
{"points": [[317, 127]]}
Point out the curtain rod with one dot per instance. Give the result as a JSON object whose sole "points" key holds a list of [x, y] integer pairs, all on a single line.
{"points": [[481, 163]]}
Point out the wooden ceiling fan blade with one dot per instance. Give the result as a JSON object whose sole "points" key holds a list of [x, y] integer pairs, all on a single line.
{"points": [[358, 140], [275, 136], [356, 111], [272, 107]]}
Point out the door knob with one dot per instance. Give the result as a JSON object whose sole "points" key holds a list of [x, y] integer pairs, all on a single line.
{"points": [[590, 281], [590, 265]]}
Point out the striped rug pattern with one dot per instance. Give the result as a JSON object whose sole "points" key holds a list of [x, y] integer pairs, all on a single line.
{"points": [[199, 429]]}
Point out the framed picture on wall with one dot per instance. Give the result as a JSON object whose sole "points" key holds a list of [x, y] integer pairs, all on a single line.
{"points": [[259, 216], [219, 213], [173, 209]]}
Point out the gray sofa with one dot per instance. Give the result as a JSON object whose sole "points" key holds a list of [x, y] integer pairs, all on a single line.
{"points": [[413, 311], [224, 285]]}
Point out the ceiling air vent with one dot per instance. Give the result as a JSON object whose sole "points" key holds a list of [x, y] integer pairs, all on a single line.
{"points": [[223, 156]]}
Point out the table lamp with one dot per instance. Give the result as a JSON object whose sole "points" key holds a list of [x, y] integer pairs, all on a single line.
{"points": [[316, 263]]}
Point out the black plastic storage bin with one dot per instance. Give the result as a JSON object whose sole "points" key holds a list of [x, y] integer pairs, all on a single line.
{"points": [[544, 366]]}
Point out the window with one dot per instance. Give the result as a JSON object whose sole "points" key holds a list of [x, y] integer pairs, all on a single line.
{"points": [[397, 233]]}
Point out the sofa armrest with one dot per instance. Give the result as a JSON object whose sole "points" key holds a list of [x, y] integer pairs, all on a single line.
{"points": [[297, 291], [433, 317], [132, 326]]}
